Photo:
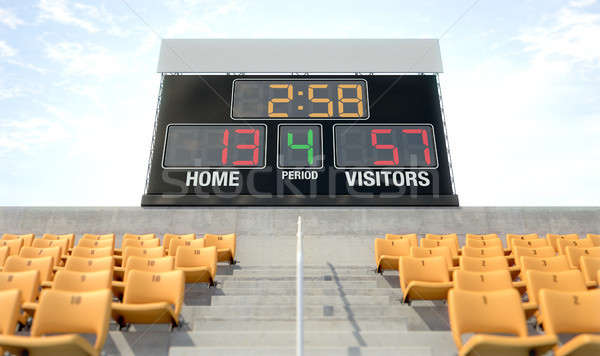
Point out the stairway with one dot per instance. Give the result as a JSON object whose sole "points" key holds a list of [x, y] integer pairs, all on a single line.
{"points": [[348, 310]]}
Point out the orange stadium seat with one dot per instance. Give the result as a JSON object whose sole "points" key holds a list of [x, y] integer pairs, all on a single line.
{"points": [[155, 265], [27, 238], [27, 282], [563, 244], [412, 238], [69, 237], [37, 252], [566, 281], [10, 311], [85, 264], [488, 313], [539, 252], [482, 281], [225, 245], [198, 264], [14, 246], [531, 243], [443, 251], [548, 264], [451, 237], [429, 243], [90, 243], [20, 264], [62, 244], [168, 237], [424, 278], [511, 237], [144, 243], [176, 243], [476, 243], [151, 298], [573, 313], [128, 236], [495, 251], [486, 264], [150, 252], [3, 255], [595, 239], [71, 281], [99, 237], [553, 239], [388, 252], [590, 266], [574, 254], [481, 236], [61, 312], [92, 252]]}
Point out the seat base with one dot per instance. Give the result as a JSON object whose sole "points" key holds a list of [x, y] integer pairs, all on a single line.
{"points": [[197, 275], [418, 290], [225, 255], [59, 345], [146, 313], [482, 344], [580, 345], [387, 262]]}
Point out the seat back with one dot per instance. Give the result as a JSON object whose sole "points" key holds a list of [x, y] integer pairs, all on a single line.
{"points": [[68, 237], [28, 282], [62, 244], [476, 243], [574, 254], [4, 250], [73, 312], [155, 265], [595, 239], [483, 264], [150, 287], [142, 243], [100, 237], [197, 257], [86, 264], [531, 243], [151, 252], [442, 251], [92, 252], [590, 266], [429, 243], [27, 238], [495, 251], [567, 281], [90, 243], [412, 238], [138, 237], [168, 237], [553, 239], [481, 236], [538, 252], [176, 243], [548, 264], [485, 312], [391, 248], [563, 244], [36, 252], [20, 264], [10, 300], [72, 281], [221, 241], [428, 269], [14, 246], [570, 312], [482, 281], [451, 237], [511, 237]]}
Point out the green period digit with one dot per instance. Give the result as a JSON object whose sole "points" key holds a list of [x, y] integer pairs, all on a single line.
{"points": [[308, 146]]}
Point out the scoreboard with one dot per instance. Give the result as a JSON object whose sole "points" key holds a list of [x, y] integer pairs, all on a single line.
{"points": [[295, 138]]}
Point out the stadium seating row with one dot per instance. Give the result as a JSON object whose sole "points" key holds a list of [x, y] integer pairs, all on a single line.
{"points": [[549, 279], [49, 283]]}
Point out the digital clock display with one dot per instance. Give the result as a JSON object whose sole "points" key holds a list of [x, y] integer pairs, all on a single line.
{"points": [[384, 146], [300, 99], [214, 146]]}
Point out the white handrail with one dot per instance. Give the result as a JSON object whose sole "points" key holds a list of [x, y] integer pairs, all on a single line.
{"points": [[299, 293]]}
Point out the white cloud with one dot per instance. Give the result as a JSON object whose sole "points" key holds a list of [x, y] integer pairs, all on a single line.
{"points": [[84, 59], [8, 18], [29, 134], [59, 11], [6, 50], [199, 26], [581, 3]]}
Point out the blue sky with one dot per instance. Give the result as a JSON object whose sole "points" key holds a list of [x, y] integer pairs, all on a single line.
{"points": [[78, 89]]}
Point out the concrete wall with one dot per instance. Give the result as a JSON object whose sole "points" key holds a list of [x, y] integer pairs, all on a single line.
{"points": [[266, 236]]}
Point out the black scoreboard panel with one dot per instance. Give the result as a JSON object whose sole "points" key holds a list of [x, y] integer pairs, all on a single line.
{"points": [[299, 140]]}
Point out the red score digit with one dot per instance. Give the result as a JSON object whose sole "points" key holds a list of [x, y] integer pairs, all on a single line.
{"points": [[425, 140], [394, 149], [253, 147]]}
